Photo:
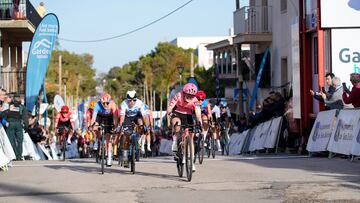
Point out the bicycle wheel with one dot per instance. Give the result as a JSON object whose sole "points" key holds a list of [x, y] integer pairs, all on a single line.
{"points": [[213, 147], [226, 146], [201, 151], [188, 157], [133, 154], [208, 147], [102, 150], [179, 164], [64, 147], [119, 153]]}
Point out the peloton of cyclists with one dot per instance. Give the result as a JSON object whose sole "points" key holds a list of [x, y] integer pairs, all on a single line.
{"points": [[206, 114], [222, 116]]}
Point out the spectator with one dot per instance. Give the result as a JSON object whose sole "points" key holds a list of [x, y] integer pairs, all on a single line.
{"points": [[352, 97], [36, 132], [41, 9], [335, 101], [17, 117], [329, 92]]}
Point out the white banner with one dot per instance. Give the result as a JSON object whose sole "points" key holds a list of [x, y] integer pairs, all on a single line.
{"points": [[321, 131], [348, 9], [237, 141], [355, 150], [342, 138], [256, 138], [165, 146], [6, 145], [273, 133]]}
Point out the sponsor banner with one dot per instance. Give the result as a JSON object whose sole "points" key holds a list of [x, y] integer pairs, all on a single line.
{"points": [[237, 141], [40, 51], [342, 137], [261, 138], [355, 150], [345, 53], [349, 10], [6, 145], [273, 133], [247, 141], [58, 102], [321, 131], [256, 138]]}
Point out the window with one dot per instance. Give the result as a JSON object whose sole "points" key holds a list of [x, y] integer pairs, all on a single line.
{"points": [[284, 71], [283, 6]]}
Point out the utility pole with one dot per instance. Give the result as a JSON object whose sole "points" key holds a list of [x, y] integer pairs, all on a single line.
{"points": [[60, 75], [192, 65]]}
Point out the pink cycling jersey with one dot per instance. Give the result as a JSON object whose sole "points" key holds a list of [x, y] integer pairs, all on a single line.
{"points": [[181, 105]]}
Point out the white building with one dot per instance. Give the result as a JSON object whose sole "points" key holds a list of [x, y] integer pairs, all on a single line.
{"points": [[263, 24], [205, 56]]}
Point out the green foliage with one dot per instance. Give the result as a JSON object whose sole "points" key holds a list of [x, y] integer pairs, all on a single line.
{"points": [[156, 71], [76, 68]]}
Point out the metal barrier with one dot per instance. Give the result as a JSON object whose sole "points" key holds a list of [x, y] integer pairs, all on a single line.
{"points": [[253, 19]]}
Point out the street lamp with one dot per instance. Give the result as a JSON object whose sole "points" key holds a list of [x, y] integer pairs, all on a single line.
{"points": [[180, 69], [64, 80]]}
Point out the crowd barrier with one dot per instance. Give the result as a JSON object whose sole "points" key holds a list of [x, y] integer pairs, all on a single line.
{"points": [[337, 132], [263, 136]]}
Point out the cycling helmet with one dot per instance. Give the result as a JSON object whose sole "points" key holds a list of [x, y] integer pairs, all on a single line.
{"points": [[105, 97], [201, 95], [223, 103], [190, 88], [131, 94], [92, 104], [64, 109]]}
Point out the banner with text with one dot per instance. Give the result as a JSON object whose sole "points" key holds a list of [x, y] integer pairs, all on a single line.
{"points": [[342, 137], [322, 129], [273, 133]]}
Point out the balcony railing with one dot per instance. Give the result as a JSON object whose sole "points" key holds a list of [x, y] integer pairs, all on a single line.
{"points": [[253, 20], [24, 10], [13, 79]]}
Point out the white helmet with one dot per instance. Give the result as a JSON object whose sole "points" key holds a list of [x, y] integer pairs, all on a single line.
{"points": [[131, 94]]}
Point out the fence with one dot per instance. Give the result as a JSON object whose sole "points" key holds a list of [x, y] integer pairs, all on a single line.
{"points": [[13, 80], [23, 10]]}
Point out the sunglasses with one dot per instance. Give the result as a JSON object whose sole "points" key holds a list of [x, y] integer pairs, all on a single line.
{"points": [[106, 103], [134, 100], [201, 100]]}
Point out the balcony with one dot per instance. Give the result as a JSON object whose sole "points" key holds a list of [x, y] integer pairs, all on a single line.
{"points": [[253, 24], [18, 21]]}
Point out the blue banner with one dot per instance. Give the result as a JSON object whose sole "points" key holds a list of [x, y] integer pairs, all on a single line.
{"points": [[258, 78], [40, 51]]}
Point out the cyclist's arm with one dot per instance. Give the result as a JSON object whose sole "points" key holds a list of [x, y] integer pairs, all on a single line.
{"points": [[57, 120], [173, 103], [209, 112], [198, 114], [113, 108], [123, 109]]}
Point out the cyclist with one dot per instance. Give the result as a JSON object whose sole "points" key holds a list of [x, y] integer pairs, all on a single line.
{"points": [[133, 110], [225, 117], [64, 120], [105, 113], [181, 108], [146, 137], [90, 138], [206, 115]]}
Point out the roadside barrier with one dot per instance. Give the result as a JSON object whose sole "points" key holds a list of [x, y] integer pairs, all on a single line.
{"points": [[321, 132]]}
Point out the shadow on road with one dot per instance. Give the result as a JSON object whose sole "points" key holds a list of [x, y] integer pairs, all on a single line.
{"points": [[34, 194], [95, 169]]}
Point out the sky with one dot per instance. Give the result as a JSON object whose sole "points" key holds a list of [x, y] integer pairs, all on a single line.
{"points": [[91, 20]]}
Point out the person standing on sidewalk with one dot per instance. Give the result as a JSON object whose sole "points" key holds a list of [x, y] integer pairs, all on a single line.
{"points": [[17, 118]]}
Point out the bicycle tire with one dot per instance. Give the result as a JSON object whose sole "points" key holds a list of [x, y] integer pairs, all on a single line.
{"points": [[179, 164], [119, 153], [208, 147], [202, 151], [102, 150], [133, 154], [188, 158], [213, 148], [64, 146]]}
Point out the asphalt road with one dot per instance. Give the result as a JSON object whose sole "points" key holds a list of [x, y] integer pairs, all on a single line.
{"points": [[224, 179]]}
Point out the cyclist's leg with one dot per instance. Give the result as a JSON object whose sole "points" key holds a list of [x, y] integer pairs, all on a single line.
{"points": [[175, 132], [109, 147], [205, 125], [147, 133]]}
